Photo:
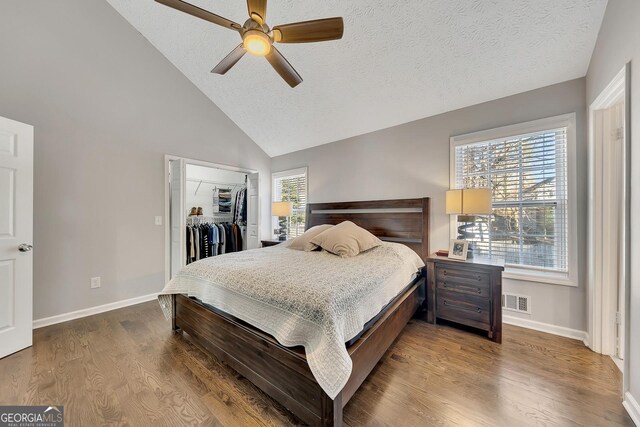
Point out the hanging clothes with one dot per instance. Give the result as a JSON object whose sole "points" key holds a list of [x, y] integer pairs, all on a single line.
{"points": [[240, 207], [213, 239], [207, 240], [222, 248]]}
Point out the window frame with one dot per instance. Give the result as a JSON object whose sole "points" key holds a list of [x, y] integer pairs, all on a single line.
{"points": [[287, 173], [527, 273]]}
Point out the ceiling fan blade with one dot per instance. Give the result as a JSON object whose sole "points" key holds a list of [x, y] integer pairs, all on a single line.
{"points": [[319, 30], [200, 13], [230, 60], [282, 67], [258, 10]]}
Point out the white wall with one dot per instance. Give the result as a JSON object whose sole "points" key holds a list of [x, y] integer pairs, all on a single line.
{"points": [[412, 160], [618, 43], [204, 196], [106, 107]]}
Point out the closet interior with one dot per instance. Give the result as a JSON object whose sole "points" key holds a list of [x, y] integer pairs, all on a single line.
{"points": [[210, 210], [216, 212]]}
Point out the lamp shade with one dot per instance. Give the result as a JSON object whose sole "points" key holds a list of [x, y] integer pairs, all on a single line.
{"points": [[476, 201], [281, 208], [454, 202], [470, 201]]}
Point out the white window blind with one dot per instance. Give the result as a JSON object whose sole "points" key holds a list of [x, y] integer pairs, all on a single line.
{"points": [[291, 186], [527, 175]]}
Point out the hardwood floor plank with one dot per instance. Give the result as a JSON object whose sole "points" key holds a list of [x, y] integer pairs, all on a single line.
{"points": [[126, 367]]}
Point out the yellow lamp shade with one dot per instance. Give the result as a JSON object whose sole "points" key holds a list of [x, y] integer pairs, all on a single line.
{"points": [[470, 201], [476, 201], [454, 202], [281, 208]]}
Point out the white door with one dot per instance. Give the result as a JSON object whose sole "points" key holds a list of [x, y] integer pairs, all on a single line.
{"points": [[16, 236], [177, 215], [253, 210]]}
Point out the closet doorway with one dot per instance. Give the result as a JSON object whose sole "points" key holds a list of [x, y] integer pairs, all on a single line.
{"points": [[609, 148], [211, 209]]}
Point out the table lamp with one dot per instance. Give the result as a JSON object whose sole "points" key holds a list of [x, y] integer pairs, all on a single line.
{"points": [[467, 203], [281, 209]]}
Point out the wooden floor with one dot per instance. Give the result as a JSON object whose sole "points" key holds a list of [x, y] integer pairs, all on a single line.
{"points": [[126, 367]]}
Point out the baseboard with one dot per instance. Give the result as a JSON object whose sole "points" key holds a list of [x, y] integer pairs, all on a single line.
{"points": [[548, 328], [65, 317], [632, 407]]}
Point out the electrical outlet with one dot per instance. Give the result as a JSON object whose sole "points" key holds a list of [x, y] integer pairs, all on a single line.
{"points": [[95, 282], [158, 220]]}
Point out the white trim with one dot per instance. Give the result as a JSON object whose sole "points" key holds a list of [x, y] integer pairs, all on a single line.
{"points": [[167, 225], [547, 327], [538, 277], [632, 407], [65, 317], [613, 93], [600, 306], [565, 120], [297, 171]]}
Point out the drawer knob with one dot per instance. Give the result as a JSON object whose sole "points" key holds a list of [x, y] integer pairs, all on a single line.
{"points": [[445, 302], [479, 278], [479, 310], [479, 290], [444, 273]]}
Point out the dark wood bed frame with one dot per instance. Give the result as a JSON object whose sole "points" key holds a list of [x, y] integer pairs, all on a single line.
{"points": [[282, 372]]}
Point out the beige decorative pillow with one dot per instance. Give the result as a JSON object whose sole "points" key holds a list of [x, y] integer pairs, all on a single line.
{"points": [[346, 240], [303, 243]]}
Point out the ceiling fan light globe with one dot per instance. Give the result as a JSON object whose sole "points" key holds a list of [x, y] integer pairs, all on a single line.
{"points": [[257, 43]]}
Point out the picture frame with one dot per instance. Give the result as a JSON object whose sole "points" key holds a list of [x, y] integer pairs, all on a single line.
{"points": [[458, 249]]}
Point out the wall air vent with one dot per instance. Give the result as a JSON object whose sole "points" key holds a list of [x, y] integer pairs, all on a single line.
{"points": [[517, 303]]}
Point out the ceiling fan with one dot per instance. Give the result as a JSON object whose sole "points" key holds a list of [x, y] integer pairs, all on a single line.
{"points": [[258, 38]]}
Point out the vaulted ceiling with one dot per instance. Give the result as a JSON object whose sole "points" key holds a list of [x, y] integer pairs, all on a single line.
{"points": [[398, 60]]}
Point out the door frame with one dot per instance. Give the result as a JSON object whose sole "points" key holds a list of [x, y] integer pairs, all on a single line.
{"points": [[600, 312], [167, 205]]}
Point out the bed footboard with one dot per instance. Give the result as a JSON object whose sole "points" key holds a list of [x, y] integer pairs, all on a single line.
{"points": [[282, 372]]}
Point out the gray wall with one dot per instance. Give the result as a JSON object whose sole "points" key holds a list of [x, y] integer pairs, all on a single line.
{"points": [[412, 160], [617, 44], [106, 107]]}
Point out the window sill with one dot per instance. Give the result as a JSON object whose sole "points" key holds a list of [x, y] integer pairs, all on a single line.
{"points": [[538, 277]]}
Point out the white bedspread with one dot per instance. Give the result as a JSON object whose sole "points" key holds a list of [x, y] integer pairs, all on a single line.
{"points": [[313, 299]]}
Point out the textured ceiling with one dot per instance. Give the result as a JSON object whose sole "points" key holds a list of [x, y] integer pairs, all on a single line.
{"points": [[398, 61]]}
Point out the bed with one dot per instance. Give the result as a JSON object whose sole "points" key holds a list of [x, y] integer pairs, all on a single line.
{"points": [[287, 374]]}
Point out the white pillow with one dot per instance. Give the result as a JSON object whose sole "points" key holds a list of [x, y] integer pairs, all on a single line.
{"points": [[303, 242], [346, 240]]}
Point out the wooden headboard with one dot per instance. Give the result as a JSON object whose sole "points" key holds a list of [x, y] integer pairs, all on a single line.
{"points": [[403, 221]]}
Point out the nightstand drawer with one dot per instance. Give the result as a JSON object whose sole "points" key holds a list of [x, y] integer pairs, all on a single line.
{"points": [[466, 276], [453, 284], [465, 309]]}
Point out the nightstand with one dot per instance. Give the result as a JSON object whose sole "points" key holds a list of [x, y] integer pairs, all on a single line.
{"points": [[267, 243], [466, 292]]}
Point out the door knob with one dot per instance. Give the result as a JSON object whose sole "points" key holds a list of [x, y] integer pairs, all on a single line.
{"points": [[25, 247]]}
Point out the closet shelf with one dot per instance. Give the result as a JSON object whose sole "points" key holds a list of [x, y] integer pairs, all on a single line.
{"points": [[230, 186]]}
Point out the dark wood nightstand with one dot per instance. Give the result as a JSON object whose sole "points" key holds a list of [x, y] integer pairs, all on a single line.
{"points": [[466, 292], [267, 243]]}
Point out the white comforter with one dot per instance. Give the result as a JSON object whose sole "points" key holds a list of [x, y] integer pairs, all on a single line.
{"points": [[313, 299]]}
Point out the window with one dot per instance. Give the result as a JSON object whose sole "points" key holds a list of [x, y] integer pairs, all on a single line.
{"points": [[526, 167], [291, 186]]}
